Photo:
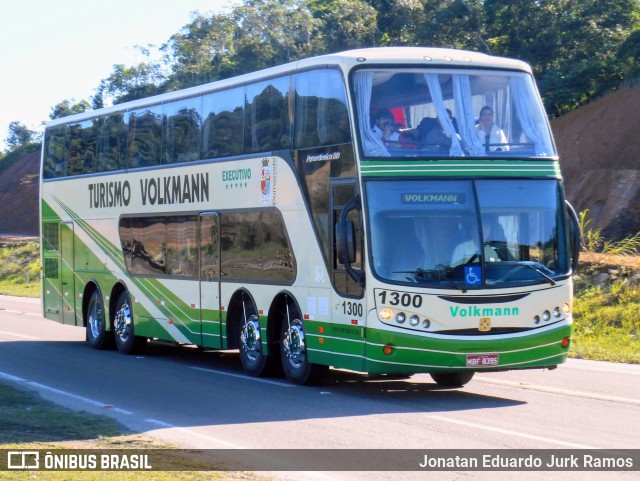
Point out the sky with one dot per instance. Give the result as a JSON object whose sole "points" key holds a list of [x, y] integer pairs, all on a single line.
{"points": [[54, 50]]}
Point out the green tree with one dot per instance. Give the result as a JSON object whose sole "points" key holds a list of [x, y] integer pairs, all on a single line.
{"points": [[68, 107], [571, 44], [274, 32], [135, 82], [345, 24], [202, 51], [19, 135]]}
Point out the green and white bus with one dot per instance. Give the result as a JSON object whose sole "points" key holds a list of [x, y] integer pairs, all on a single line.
{"points": [[385, 210]]}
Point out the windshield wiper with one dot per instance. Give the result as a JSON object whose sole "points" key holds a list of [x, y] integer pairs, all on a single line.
{"points": [[545, 276]]}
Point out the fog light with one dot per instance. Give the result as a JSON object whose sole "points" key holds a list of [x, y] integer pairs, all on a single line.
{"points": [[386, 314], [426, 323], [400, 317], [546, 315], [414, 320]]}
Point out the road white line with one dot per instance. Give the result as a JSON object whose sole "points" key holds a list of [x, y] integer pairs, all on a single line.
{"points": [[190, 432], [78, 398], [18, 335], [11, 311], [244, 376], [555, 390], [43, 387], [9, 377], [511, 433]]}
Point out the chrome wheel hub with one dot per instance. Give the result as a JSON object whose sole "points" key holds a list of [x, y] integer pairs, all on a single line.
{"points": [[250, 338], [122, 321], [294, 344]]}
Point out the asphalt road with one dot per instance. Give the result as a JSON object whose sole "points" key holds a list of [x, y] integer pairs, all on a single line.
{"points": [[203, 400]]}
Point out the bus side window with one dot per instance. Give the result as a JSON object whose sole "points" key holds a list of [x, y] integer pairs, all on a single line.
{"points": [[222, 127], [181, 138], [83, 139], [112, 143], [322, 117], [56, 152], [267, 123], [145, 136]]}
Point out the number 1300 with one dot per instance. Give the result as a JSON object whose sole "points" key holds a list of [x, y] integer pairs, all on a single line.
{"points": [[403, 299]]}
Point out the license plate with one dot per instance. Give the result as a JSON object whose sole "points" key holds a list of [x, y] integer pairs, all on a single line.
{"points": [[482, 360]]}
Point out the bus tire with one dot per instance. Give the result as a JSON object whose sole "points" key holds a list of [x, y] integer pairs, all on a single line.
{"points": [[123, 329], [452, 379], [254, 361], [97, 335], [293, 353]]}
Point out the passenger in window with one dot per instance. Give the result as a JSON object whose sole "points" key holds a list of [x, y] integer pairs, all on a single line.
{"points": [[491, 136], [384, 126]]}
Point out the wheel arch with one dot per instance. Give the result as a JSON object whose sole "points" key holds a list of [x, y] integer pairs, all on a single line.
{"points": [[235, 315], [89, 288], [117, 289], [278, 310]]}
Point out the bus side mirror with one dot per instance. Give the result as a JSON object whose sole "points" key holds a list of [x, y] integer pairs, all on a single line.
{"points": [[346, 242], [574, 236]]}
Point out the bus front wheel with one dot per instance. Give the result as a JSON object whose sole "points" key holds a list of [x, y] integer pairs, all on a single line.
{"points": [[452, 379], [126, 341]]}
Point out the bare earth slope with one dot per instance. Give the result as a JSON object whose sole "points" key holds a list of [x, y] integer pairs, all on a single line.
{"points": [[599, 146], [19, 197]]}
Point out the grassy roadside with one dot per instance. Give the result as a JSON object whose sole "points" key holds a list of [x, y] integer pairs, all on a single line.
{"points": [[19, 267], [28, 422]]}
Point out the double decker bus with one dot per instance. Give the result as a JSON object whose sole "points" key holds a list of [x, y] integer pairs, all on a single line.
{"points": [[385, 210]]}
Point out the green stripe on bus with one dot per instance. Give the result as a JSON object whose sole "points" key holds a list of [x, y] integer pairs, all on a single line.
{"points": [[454, 168]]}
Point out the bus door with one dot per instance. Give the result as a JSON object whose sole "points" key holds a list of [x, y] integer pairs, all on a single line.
{"points": [[209, 277], [348, 275], [51, 285], [67, 276]]}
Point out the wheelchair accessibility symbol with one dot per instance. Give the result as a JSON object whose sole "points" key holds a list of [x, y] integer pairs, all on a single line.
{"points": [[473, 275]]}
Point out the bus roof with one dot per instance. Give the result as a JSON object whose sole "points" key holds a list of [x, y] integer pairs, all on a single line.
{"points": [[426, 56]]}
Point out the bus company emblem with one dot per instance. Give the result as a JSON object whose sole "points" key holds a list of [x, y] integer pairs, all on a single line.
{"points": [[485, 324], [265, 182]]}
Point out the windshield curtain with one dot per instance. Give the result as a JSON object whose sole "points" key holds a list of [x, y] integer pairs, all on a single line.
{"points": [[467, 234], [461, 113]]}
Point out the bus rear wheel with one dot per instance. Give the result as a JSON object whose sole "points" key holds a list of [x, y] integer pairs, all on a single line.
{"points": [[97, 335], [126, 340], [293, 352], [254, 361], [452, 379]]}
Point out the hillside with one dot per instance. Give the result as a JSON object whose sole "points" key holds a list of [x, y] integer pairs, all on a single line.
{"points": [[19, 197], [600, 161]]}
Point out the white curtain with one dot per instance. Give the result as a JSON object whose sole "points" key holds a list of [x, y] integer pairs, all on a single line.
{"points": [[443, 116], [464, 114], [371, 144], [531, 121]]}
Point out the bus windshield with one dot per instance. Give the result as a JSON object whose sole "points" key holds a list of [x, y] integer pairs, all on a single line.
{"points": [[467, 234], [456, 113]]}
